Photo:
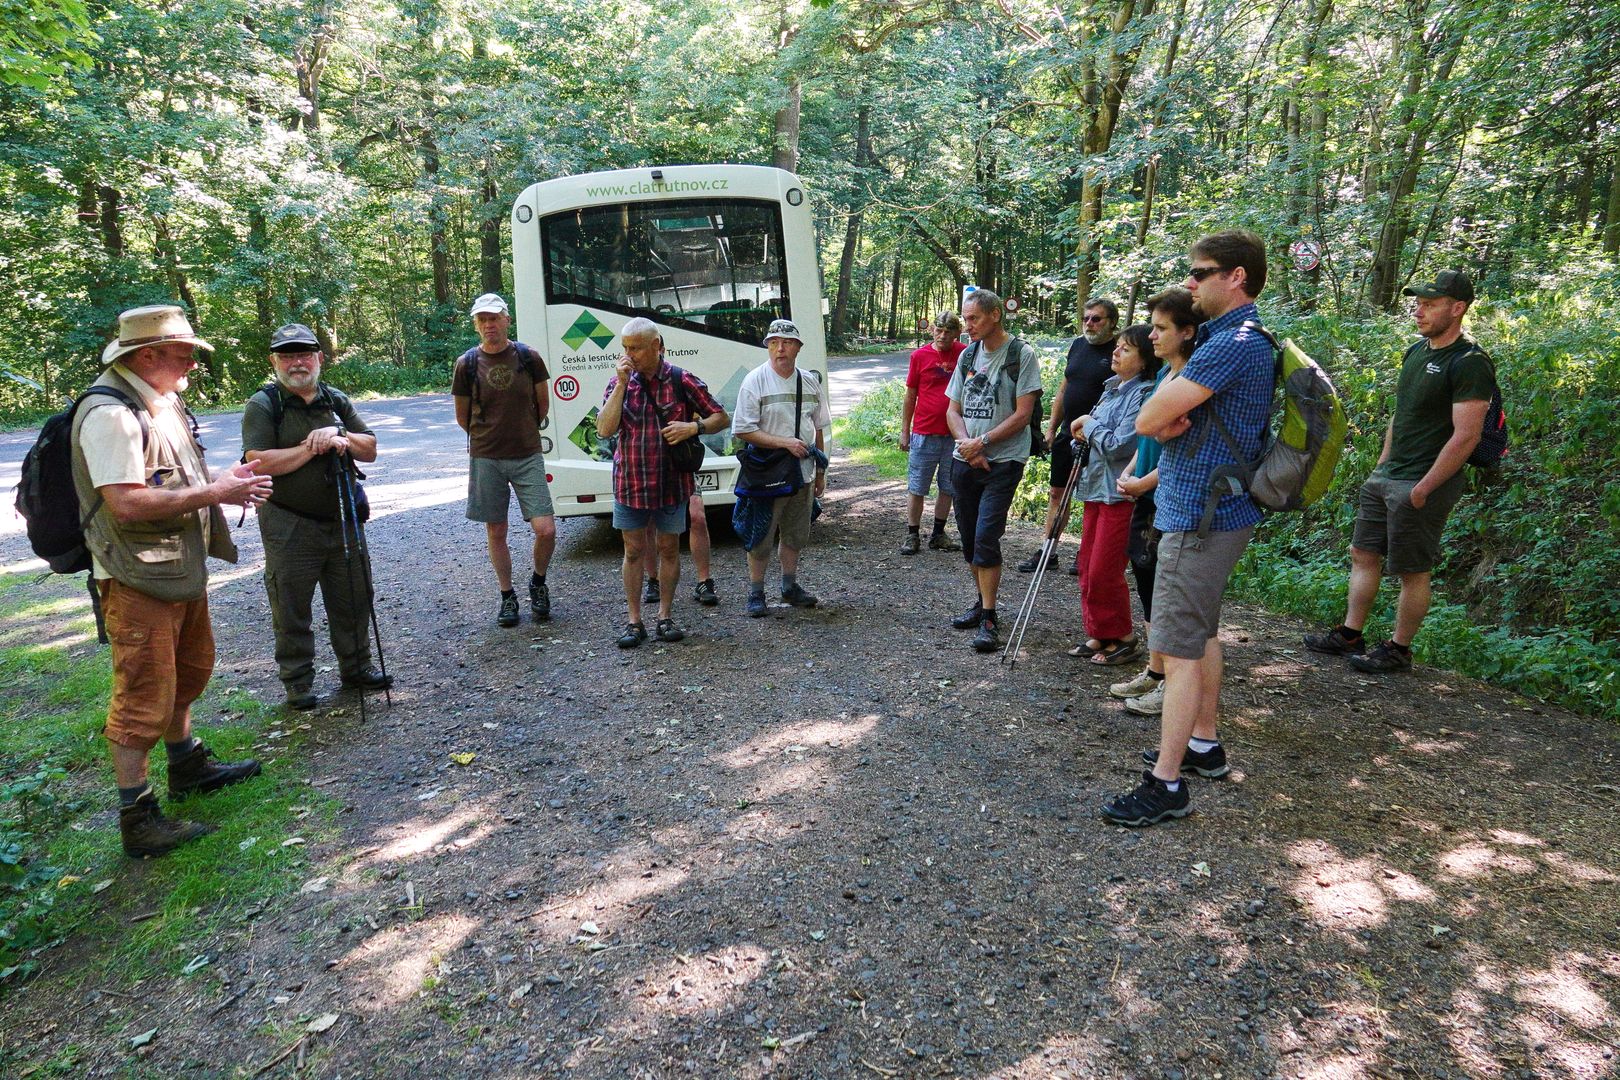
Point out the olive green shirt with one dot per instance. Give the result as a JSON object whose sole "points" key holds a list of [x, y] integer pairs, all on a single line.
{"points": [[1432, 380], [309, 489]]}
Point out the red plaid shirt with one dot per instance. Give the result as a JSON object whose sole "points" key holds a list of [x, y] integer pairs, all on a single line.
{"points": [[642, 477]]}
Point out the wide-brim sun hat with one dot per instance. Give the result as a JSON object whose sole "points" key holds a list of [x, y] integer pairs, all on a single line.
{"points": [[156, 324], [784, 328]]}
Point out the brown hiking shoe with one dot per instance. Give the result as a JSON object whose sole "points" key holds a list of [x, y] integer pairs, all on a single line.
{"points": [[196, 774], [148, 834]]}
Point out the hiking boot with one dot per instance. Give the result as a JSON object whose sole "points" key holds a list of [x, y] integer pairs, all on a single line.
{"points": [[756, 606], [1028, 565], [1073, 567], [795, 595], [509, 611], [539, 601], [704, 593], [194, 774], [988, 639], [1336, 643], [302, 700], [1211, 764], [940, 541], [1149, 804], [668, 631], [634, 634], [1384, 657], [911, 544], [368, 680], [650, 594], [969, 619], [1134, 687], [148, 834], [1149, 704]]}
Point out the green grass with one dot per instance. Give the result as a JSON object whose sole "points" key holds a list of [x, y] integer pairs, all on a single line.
{"points": [[59, 825]]}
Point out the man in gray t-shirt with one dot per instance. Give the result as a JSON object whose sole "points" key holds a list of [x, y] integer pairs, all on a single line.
{"points": [[989, 418]]}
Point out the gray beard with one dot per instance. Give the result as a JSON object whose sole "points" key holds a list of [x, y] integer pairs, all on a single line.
{"points": [[290, 384], [1098, 339]]}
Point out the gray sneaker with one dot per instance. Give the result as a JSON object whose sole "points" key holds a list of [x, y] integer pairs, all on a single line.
{"points": [[911, 544], [795, 595], [1148, 704], [509, 611]]}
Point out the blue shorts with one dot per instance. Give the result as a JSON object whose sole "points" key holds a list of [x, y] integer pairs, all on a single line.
{"points": [[666, 519], [930, 456]]}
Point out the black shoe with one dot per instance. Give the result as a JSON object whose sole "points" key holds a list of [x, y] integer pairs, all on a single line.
{"points": [[941, 542], [795, 595], [302, 700], [1149, 804], [756, 606], [650, 593], [1073, 568], [988, 639], [1385, 657], [194, 773], [1336, 643], [911, 544], [1028, 565], [539, 601], [704, 593], [509, 611], [634, 634], [969, 619], [369, 679], [148, 834], [668, 631], [1211, 764]]}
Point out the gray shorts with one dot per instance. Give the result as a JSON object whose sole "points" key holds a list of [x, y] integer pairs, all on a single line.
{"points": [[490, 482], [791, 514], [1388, 524], [1187, 589], [930, 455]]}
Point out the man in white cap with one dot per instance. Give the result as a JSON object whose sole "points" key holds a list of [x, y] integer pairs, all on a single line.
{"points": [[502, 397], [296, 427], [153, 517], [780, 406]]}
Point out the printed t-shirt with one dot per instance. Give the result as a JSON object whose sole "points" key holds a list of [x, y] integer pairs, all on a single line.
{"points": [[765, 403], [929, 375], [504, 423], [988, 398], [1432, 380]]}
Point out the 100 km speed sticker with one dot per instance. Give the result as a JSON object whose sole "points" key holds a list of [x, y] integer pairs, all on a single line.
{"points": [[567, 387]]}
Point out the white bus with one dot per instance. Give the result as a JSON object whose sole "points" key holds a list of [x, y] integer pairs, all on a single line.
{"points": [[711, 253]]}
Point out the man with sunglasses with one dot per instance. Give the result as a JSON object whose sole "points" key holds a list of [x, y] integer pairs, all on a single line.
{"points": [[1090, 364], [152, 520], [1231, 374]]}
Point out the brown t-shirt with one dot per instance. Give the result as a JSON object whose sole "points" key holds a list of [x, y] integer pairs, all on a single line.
{"points": [[505, 423]]}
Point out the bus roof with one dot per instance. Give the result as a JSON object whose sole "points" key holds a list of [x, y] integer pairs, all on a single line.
{"points": [[654, 183]]}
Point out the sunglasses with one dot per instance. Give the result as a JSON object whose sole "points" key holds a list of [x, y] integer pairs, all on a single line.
{"points": [[1199, 273], [1090, 319]]}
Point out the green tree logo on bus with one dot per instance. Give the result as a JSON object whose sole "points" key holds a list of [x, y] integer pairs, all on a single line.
{"points": [[587, 328]]}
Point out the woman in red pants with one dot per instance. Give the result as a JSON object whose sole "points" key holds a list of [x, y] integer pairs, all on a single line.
{"points": [[1109, 432]]}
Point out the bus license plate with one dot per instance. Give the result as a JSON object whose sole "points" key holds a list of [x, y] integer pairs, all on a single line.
{"points": [[708, 481]]}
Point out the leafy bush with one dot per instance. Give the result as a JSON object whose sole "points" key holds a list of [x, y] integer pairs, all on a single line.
{"points": [[28, 805]]}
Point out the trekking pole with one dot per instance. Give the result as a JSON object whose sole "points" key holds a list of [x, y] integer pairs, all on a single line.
{"points": [[1015, 639], [355, 549]]}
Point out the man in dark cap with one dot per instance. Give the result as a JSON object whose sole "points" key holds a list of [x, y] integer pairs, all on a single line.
{"points": [[1441, 399], [294, 428]]}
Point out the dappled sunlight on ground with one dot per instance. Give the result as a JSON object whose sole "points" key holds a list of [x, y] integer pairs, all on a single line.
{"points": [[392, 966], [1068, 1056], [420, 836], [390, 499], [797, 738], [688, 985], [1347, 894]]}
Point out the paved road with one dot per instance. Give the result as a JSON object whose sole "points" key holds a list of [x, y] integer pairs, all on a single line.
{"points": [[420, 430]]}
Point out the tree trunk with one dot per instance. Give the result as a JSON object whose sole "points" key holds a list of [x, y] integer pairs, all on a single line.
{"points": [[259, 244], [894, 296], [852, 233], [111, 221], [785, 141], [438, 242], [945, 258], [489, 237], [1611, 220]]}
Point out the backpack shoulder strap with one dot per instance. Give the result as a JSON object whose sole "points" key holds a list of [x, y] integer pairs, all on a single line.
{"points": [[101, 390]]}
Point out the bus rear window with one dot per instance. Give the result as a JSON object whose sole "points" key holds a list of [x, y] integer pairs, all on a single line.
{"points": [[714, 266]]}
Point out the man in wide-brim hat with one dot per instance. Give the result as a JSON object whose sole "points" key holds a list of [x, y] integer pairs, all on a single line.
{"points": [[153, 516]]}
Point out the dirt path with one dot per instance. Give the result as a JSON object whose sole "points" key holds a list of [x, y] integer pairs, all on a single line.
{"points": [[839, 844]]}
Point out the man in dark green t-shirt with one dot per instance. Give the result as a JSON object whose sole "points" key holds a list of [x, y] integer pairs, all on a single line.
{"points": [[1441, 399], [292, 428]]}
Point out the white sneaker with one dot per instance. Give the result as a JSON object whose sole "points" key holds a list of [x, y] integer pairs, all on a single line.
{"points": [[1135, 687], [1149, 704]]}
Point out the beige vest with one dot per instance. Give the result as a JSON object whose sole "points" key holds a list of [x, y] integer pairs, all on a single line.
{"points": [[166, 559]]}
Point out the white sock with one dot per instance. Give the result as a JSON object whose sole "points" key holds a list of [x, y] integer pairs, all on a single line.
{"points": [[1202, 746]]}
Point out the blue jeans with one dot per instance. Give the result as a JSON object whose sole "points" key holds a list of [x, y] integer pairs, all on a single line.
{"points": [[982, 500], [930, 454]]}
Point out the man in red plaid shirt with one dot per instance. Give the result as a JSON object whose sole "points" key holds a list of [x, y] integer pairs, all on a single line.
{"points": [[651, 405]]}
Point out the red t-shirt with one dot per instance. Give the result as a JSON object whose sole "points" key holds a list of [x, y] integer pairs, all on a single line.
{"points": [[930, 374]]}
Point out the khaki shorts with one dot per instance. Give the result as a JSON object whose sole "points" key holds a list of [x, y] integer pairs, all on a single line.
{"points": [[490, 481], [1388, 524], [162, 653], [1187, 589], [791, 514]]}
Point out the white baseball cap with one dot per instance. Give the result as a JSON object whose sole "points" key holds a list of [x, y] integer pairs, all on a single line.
{"points": [[784, 328], [490, 303]]}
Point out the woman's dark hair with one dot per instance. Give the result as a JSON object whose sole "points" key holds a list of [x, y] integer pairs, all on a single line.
{"points": [[1177, 303], [1138, 337]]}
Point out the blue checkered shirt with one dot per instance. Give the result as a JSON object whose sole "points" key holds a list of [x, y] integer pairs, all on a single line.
{"points": [[1240, 367]]}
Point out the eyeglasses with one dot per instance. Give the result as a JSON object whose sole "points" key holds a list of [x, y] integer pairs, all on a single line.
{"points": [[1090, 319], [1199, 273]]}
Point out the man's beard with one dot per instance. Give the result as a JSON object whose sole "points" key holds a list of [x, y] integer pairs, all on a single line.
{"points": [[1099, 337], [299, 383]]}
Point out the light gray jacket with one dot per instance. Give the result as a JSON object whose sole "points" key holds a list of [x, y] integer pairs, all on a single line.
{"points": [[1111, 434]]}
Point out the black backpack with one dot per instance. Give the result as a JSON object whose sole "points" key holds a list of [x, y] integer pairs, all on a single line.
{"points": [[1010, 367], [278, 412]]}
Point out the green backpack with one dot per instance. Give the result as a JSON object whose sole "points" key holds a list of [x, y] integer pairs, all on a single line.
{"points": [[1296, 462]]}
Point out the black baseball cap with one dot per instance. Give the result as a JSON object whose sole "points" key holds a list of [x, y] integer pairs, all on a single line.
{"points": [[294, 337], [1452, 283]]}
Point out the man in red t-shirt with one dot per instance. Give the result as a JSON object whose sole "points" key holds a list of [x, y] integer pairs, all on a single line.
{"points": [[925, 436]]}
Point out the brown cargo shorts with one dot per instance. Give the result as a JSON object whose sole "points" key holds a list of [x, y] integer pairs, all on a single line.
{"points": [[163, 655]]}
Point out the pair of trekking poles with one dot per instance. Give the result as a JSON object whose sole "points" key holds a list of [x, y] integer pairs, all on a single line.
{"points": [[1043, 561], [356, 551]]}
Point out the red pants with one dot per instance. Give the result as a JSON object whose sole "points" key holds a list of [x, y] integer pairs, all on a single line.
{"points": [[1105, 604]]}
